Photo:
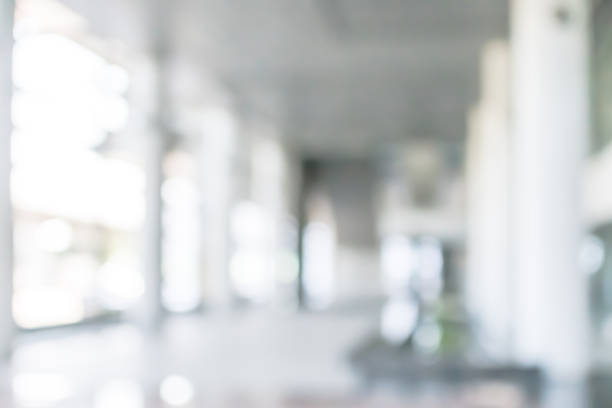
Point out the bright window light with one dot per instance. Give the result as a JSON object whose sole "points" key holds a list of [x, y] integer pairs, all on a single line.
{"points": [[75, 202], [54, 235]]}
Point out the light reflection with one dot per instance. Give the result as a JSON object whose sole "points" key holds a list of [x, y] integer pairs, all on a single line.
{"points": [[250, 274], [120, 394], [41, 389], [176, 390], [252, 261], [249, 224], [181, 288], [319, 264], [398, 261], [399, 319]]}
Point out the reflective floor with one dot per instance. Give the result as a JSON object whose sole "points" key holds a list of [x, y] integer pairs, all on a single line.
{"points": [[238, 360]]}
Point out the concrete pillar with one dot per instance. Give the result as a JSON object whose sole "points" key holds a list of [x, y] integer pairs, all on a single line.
{"points": [[551, 127], [487, 180], [6, 224]]}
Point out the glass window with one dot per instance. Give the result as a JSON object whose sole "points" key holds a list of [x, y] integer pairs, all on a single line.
{"points": [[78, 198]]}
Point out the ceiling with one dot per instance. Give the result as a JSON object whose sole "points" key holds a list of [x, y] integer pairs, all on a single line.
{"points": [[342, 77], [345, 76]]}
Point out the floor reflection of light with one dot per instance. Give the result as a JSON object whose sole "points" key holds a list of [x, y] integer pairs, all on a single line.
{"points": [[120, 394], [176, 390], [41, 389]]}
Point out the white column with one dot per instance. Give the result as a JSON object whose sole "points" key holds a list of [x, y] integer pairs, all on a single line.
{"points": [[216, 160], [155, 85], [551, 127], [147, 129], [151, 308], [268, 173], [6, 236], [487, 181]]}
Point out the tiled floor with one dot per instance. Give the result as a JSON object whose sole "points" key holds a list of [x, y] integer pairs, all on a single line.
{"points": [[249, 360]]}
